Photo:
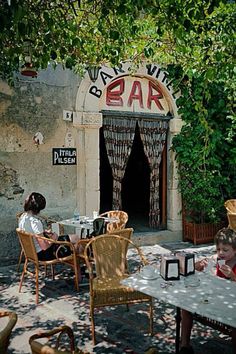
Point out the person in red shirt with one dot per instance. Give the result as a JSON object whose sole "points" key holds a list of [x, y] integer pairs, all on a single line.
{"points": [[225, 241]]}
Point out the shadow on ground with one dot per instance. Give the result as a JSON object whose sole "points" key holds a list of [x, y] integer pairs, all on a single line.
{"points": [[117, 330]]}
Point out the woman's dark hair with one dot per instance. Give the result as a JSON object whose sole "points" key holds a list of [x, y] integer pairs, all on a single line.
{"points": [[35, 202]]}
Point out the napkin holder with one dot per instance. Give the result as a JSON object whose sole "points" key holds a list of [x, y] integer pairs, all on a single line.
{"points": [[169, 268], [186, 263]]}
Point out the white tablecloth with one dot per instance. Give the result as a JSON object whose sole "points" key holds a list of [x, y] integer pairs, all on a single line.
{"points": [[214, 297]]}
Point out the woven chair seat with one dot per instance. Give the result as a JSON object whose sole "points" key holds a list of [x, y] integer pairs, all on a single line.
{"points": [[111, 291]]}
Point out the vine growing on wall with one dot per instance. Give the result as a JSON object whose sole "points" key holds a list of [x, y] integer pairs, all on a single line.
{"points": [[205, 147]]}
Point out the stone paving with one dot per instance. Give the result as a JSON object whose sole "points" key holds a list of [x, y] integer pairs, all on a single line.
{"points": [[117, 330]]}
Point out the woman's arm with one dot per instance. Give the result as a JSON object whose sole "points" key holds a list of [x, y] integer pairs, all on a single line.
{"points": [[43, 243]]}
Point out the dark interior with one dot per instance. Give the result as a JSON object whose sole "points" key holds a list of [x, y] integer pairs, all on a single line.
{"points": [[135, 185]]}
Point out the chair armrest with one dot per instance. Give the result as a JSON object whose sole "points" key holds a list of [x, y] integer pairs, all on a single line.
{"points": [[59, 243], [82, 242], [12, 319], [62, 330]]}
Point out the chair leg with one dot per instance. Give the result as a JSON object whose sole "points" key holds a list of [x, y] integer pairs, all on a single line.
{"points": [[92, 324], [52, 272], [22, 275], [77, 274], [20, 260], [37, 283], [151, 317]]}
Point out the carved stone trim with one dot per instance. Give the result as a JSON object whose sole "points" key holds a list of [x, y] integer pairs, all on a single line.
{"points": [[87, 120]]}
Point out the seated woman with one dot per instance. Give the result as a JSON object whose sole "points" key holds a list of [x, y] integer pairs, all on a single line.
{"points": [[225, 241], [30, 222]]}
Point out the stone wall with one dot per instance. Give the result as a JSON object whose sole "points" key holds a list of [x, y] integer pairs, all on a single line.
{"points": [[30, 107]]}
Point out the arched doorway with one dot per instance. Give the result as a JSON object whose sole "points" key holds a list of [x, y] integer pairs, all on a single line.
{"points": [[146, 94], [135, 189]]}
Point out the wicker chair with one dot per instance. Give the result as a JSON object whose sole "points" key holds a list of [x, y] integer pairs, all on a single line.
{"points": [[109, 252], [122, 217], [7, 330], [40, 348], [221, 327], [127, 233], [27, 244], [230, 206], [48, 221]]}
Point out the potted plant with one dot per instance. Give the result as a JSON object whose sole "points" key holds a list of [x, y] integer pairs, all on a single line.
{"points": [[206, 157]]}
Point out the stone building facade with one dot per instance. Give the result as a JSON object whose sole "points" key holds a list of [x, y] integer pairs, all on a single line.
{"points": [[58, 109]]}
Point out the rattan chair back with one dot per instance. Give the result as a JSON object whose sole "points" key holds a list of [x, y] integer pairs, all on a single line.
{"points": [[232, 221], [109, 256], [37, 347], [5, 333], [109, 259], [27, 242], [230, 206], [122, 219]]}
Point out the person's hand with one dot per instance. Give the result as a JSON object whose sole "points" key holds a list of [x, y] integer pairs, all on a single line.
{"points": [[228, 272], [54, 236], [51, 234], [201, 265]]}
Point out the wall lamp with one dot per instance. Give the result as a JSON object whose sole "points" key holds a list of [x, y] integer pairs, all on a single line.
{"points": [[93, 72]]}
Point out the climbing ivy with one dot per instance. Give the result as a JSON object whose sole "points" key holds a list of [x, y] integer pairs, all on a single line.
{"points": [[205, 149]]}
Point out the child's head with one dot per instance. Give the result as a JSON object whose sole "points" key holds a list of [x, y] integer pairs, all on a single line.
{"points": [[225, 241], [35, 202]]}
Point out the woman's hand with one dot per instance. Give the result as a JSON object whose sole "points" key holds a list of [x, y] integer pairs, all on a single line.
{"points": [[51, 234]]}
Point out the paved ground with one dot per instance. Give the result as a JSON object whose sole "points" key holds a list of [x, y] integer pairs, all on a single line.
{"points": [[118, 331]]}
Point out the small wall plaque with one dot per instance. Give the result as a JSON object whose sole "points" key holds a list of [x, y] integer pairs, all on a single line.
{"points": [[64, 156]]}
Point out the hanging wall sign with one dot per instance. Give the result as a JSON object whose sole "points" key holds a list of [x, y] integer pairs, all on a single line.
{"points": [[64, 156]]}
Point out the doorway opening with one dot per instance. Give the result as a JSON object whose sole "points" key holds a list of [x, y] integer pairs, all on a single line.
{"points": [[135, 191]]}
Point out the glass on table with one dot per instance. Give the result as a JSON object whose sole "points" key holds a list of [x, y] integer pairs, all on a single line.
{"points": [[211, 266], [191, 281]]}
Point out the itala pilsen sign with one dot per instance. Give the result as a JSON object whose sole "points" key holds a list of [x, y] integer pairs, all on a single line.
{"points": [[64, 156]]}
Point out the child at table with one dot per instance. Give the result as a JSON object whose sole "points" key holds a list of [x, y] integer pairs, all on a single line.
{"points": [[225, 241]]}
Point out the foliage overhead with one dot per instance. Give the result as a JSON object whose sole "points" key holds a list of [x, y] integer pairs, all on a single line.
{"points": [[198, 34], [194, 40]]}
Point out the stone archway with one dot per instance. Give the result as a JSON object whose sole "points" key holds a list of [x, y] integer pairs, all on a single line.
{"points": [[92, 100]]}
